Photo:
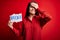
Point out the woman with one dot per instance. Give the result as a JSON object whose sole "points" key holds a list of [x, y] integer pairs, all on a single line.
{"points": [[30, 27]]}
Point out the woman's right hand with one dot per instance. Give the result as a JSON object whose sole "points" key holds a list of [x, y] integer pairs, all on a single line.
{"points": [[10, 24]]}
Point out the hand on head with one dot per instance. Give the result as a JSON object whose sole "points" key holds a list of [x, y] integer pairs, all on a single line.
{"points": [[35, 5]]}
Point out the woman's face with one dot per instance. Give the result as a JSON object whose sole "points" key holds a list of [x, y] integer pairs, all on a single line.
{"points": [[32, 8]]}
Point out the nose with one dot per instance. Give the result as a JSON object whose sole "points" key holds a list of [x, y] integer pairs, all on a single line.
{"points": [[32, 8]]}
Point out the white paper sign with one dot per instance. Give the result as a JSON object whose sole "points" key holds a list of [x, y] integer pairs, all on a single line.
{"points": [[16, 17]]}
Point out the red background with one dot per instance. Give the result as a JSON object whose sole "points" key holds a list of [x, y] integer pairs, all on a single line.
{"points": [[51, 31]]}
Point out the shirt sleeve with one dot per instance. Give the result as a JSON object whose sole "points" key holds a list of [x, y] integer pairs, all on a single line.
{"points": [[18, 32], [43, 18]]}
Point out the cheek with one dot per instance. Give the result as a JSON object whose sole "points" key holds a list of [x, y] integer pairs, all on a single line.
{"points": [[31, 9]]}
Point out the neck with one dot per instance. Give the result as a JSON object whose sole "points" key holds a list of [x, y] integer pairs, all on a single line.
{"points": [[30, 17]]}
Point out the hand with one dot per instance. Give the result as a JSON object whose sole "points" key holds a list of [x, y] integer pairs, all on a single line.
{"points": [[10, 24], [35, 5]]}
